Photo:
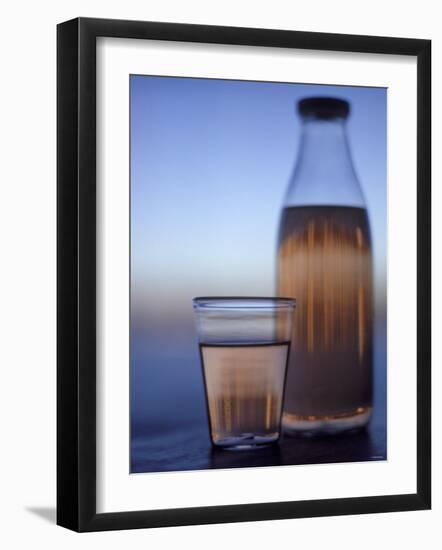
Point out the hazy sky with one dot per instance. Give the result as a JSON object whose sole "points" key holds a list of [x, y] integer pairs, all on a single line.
{"points": [[210, 163]]}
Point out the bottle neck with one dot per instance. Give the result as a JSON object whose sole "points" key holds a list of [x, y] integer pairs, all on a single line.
{"points": [[324, 172]]}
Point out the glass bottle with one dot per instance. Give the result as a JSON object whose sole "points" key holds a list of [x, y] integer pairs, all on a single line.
{"points": [[325, 262]]}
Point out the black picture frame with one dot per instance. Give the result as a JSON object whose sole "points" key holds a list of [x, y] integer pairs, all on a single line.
{"points": [[76, 273]]}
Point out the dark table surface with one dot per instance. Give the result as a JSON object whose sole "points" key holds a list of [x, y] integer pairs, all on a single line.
{"points": [[191, 450]]}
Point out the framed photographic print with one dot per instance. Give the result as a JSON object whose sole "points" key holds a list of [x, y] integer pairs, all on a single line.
{"points": [[243, 274]]}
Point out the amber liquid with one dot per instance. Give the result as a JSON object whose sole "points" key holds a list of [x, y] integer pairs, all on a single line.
{"points": [[244, 388], [325, 262]]}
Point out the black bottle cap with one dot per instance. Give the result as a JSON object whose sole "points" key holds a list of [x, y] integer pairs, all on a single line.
{"points": [[323, 107]]}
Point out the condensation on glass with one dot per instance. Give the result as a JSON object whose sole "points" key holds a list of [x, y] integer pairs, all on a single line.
{"points": [[325, 262], [244, 348]]}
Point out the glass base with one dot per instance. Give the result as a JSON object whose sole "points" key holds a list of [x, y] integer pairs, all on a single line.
{"points": [[309, 426], [245, 442]]}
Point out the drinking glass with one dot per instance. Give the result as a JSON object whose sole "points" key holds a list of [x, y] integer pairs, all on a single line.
{"points": [[244, 347]]}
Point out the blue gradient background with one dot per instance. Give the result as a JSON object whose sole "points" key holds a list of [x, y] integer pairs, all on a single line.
{"points": [[210, 163]]}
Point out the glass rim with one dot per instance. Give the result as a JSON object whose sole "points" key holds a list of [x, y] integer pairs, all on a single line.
{"points": [[243, 302]]}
